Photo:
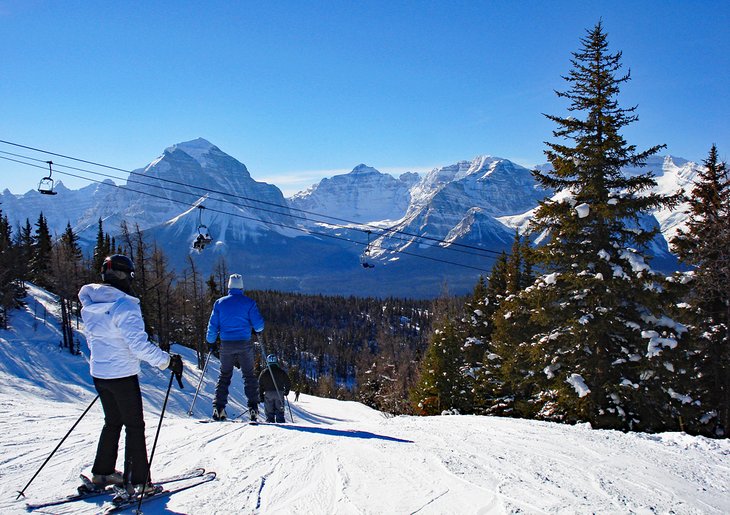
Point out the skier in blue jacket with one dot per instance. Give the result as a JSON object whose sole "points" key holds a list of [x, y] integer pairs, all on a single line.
{"points": [[233, 318]]}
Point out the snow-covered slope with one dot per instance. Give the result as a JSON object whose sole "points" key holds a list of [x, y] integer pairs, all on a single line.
{"points": [[336, 457]]}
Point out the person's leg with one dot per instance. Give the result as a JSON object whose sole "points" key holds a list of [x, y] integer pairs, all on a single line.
{"points": [[250, 381], [224, 380], [270, 406], [129, 399], [108, 447], [279, 407]]}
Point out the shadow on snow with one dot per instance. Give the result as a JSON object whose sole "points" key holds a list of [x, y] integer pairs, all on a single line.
{"points": [[339, 432]]}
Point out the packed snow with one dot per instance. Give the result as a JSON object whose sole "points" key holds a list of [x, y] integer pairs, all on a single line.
{"points": [[335, 457]]}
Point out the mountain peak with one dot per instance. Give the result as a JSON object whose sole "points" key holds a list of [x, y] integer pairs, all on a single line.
{"points": [[362, 169], [196, 148]]}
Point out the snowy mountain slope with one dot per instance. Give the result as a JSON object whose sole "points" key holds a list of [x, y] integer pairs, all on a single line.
{"points": [[460, 203], [339, 457], [97, 200], [363, 195], [184, 175]]}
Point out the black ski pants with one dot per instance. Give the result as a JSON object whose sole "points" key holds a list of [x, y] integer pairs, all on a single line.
{"points": [[122, 402]]}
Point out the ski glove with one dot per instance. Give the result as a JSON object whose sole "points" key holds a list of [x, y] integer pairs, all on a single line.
{"points": [[211, 347], [176, 366]]}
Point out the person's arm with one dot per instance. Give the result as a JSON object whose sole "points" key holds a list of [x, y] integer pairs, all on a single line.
{"points": [[257, 321], [127, 316], [213, 325]]}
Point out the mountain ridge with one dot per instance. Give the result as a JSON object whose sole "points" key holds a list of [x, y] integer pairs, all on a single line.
{"points": [[313, 241]]}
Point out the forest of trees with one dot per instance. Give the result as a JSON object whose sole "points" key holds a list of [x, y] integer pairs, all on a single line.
{"points": [[572, 325]]}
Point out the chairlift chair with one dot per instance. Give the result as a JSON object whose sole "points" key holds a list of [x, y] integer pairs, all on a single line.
{"points": [[203, 237], [365, 256], [45, 186]]}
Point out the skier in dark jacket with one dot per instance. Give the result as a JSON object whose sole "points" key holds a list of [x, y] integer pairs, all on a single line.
{"points": [[118, 342], [232, 319], [271, 379]]}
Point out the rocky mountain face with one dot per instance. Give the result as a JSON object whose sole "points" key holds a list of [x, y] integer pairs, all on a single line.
{"points": [[422, 234], [364, 195]]}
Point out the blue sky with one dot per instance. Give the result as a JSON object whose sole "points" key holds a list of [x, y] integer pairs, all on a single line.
{"points": [[299, 90]]}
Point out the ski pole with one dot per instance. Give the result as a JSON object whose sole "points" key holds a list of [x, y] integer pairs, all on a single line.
{"points": [[154, 445], [289, 406], [21, 492], [205, 367]]}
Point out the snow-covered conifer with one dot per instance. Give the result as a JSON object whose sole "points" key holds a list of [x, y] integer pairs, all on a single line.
{"points": [[582, 333]]}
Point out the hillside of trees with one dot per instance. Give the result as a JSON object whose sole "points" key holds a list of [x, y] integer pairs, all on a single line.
{"points": [[572, 325]]}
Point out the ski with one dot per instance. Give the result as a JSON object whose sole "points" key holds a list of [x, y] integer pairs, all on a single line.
{"points": [[228, 420], [132, 501], [86, 492]]}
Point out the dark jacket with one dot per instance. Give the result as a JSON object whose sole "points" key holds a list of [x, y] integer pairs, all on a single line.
{"points": [[266, 384]]}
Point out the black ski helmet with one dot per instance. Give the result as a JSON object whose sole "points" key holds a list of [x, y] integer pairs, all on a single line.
{"points": [[118, 271]]}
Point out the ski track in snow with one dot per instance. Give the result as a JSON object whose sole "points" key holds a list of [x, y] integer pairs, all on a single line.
{"points": [[337, 457]]}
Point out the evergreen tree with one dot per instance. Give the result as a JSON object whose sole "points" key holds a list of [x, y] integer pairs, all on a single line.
{"points": [[581, 331], [25, 250], [67, 277], [11, 288], [40, 262], [442, 385], [162, 304], [509, 276], [705, 245], [102, 248]]}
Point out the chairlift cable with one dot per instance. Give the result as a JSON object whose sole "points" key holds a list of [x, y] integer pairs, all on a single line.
{"points": [[384, 231], [238, 215], [399, 235]]}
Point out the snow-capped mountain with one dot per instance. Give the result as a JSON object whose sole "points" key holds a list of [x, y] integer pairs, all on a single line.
{"points": [[167, 191], [672, 175], [460, 203], [443, 228], [363, 195], [74, 206], [197, 173]]}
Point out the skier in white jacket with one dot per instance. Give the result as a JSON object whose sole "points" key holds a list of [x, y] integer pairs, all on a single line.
{"points": [[118, 342]]}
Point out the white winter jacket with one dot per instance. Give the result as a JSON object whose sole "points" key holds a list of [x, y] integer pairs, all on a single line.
{"points": [[115, 332]]}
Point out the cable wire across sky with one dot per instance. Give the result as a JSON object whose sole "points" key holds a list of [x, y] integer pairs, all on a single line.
{"points": [[251, 204]]}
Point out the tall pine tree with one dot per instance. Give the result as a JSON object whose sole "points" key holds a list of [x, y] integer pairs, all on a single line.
{"points": [[582, 330], [40, 262], [705, 245]]}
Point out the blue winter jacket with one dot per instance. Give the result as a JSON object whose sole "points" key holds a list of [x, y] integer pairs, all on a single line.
{"points": [[233, 317]]}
